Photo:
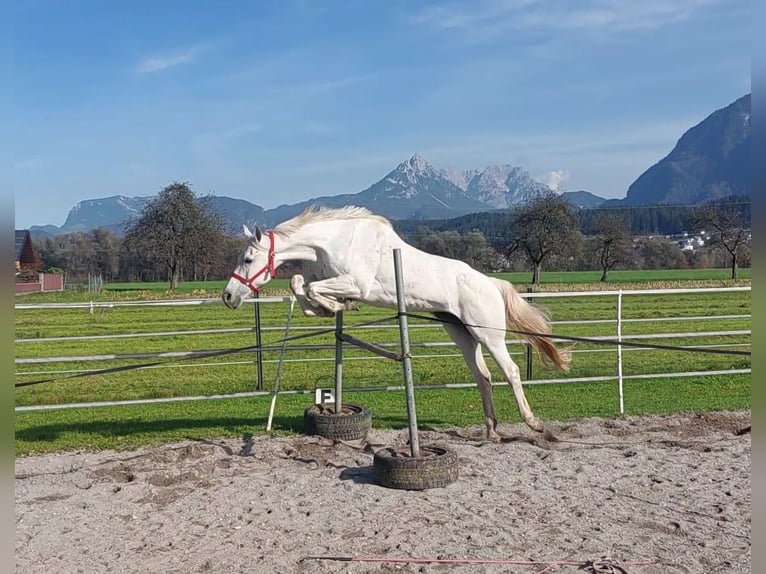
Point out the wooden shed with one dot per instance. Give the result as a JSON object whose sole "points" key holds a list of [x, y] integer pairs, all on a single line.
{"points": [[26, 259]]}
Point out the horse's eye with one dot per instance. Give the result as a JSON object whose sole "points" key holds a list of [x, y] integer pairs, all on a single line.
{"points": [[248, 260]]}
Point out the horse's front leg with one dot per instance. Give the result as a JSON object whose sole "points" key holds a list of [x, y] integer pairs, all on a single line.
{"points": [[309, 308], [334, 293]]}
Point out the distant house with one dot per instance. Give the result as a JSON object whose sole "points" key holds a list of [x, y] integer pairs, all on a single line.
{"points": [[26, 259], [690, 243], [28, 276]]}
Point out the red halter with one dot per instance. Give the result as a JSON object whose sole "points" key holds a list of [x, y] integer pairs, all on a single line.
{"points": [[268, 267]]}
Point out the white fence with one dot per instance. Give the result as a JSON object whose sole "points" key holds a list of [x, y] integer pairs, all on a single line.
{"points": [[618, 321]]}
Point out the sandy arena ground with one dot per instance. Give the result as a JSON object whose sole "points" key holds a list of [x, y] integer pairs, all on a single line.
{"points": [[671, 491]]}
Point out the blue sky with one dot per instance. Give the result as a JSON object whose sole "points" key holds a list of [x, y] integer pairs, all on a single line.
{"points": [[280, 101]]}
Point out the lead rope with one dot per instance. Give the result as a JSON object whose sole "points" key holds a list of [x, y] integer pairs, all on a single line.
{"points": [[279, 365]]}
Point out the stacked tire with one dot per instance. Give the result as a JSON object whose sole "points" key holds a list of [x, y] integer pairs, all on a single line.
{"points": [[352, 423]]}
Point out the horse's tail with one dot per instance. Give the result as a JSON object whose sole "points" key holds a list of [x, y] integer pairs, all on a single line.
{"points": [[522, 316]]}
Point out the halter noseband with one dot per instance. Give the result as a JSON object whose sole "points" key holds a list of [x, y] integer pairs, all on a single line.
{"points": [[268, 267]]}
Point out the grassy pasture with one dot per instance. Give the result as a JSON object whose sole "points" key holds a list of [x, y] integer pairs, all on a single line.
{"points": [[125, 426], [551, 280]]}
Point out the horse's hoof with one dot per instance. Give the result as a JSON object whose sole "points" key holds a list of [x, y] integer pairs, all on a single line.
{"points": [[297, 282], [536, 425], [549, 436]]}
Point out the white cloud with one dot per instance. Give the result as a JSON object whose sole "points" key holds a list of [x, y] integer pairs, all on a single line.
{"points": [[484, 20], [555, 179], [28, 163], [212, 141], [337, 84], [158, 63], [604, 161], [287, 75], [141, 170], [318, 128]]}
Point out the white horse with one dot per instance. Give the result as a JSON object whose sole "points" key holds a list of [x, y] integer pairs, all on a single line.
{"points": [[352, 250]]}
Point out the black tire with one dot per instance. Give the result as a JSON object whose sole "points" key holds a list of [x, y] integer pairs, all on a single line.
{"points": [[353, 423], [436, 467]]}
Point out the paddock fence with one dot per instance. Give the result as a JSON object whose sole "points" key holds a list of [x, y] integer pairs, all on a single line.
{"points": [[251, 364]]}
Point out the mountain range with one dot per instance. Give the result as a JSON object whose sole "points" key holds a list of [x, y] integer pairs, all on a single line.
{"points": [[413, 190], [711, 160]]}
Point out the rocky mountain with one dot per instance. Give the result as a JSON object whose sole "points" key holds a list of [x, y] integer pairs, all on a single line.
{"points": [[710, 161], [115, 212], [236, 212], [112, 212], [583, 199], [413, 190], [502, 186]]}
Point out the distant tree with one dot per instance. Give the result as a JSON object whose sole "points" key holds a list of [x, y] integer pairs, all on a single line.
{"points": [[107, 248], [478, 252], [471, 247], [725, 228], [175, 230], [545, 225], [51, 251], [79, 255], [444, 243], [613, 244], [662, 254]]}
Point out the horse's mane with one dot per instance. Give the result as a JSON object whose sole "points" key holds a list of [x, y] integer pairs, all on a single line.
{"points": [[314, 214]]}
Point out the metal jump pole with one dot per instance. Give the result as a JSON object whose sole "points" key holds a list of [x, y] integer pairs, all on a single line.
{"points": [[406, 357], [529, 349], [339, 362], [279, 365], [258, 352], [619, 353]]}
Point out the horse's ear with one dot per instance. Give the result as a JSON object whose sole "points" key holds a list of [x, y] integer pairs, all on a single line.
{"points": [[247, 232], [258, 234]]}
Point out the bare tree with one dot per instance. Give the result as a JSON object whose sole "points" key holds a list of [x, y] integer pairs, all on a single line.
{"points": [[175, 230], [478, 252], [613, 243], [107, 247], [545, 225], [724, 228], [661, 254], [471, 247]]}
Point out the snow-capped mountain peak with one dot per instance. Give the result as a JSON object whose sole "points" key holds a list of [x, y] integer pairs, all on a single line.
{"points": [[459, 178], [413, 189], [415, 167], [500, 186]]}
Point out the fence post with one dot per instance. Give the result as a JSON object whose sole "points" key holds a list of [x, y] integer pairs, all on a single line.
{"points": [[338, 363], [619, 351], [529, 347], [406, 357], [278, 376], [258, 340]]}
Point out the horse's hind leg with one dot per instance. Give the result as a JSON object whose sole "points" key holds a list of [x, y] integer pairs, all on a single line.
{"points": [[494, 341], [475, 360]]}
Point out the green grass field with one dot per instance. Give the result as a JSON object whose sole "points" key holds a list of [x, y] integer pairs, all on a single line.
{"points": [[130, 426], [561, 281]]}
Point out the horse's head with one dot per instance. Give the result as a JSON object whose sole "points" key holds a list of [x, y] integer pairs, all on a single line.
{"points": [[254, 269]]}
